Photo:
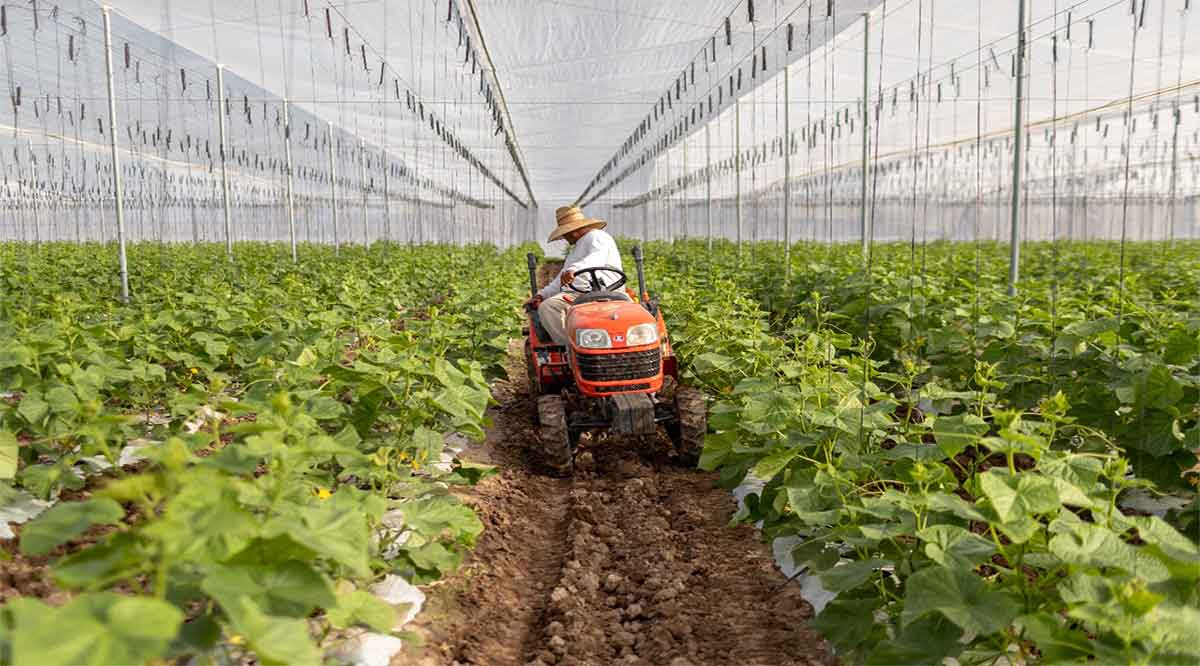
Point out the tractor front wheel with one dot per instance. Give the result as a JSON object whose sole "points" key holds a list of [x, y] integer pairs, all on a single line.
{"points": [[691, 425], [553, 433]]}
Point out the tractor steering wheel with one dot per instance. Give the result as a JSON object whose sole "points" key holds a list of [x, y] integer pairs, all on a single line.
{"points": [[595, 284]]}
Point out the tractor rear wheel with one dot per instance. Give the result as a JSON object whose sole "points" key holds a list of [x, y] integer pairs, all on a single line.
{"points": [[691, 411], [553, 433]]}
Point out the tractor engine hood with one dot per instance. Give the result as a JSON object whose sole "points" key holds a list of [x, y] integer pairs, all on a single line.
{"points": [[626, 325]]}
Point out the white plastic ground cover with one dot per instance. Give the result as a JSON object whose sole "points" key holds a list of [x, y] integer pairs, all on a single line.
{"points": [[19, 507], [1144, 501], [367, 648], [781, 548]]}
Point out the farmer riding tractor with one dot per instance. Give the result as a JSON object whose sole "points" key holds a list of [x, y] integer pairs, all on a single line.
{"points": [[618, 374]]}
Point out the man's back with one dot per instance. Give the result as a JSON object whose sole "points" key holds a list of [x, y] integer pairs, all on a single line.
{"points": [[595, 249]]}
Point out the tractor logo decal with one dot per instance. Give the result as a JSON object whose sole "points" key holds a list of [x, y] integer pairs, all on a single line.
{"points": [[619, 338]]}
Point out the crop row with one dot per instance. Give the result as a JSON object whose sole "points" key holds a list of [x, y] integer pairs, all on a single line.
{"points": [[238, 455], [954, 462]]}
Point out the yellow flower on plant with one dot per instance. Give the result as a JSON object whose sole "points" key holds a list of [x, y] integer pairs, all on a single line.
{"points": [[194, 371], [323, 493], [237, 639]]}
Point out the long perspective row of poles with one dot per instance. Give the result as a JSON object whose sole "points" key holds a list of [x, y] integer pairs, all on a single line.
{"points": [[864, 213]]}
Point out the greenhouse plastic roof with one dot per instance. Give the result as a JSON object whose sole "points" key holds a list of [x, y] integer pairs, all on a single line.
{"points": [[579, 76]]}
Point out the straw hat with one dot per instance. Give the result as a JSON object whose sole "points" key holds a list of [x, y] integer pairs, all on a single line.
{"points": [[570, 218]]}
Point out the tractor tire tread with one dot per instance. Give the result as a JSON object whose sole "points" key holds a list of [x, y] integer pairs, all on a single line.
{"points": [[554, 435], [692, 408]]}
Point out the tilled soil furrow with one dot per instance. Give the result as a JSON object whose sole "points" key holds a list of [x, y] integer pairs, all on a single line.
{"points": [[654, 576], [632, 562]]}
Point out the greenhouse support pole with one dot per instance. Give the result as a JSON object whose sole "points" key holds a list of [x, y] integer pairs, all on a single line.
{"points": [[118, 187], [1175, 119], [287, 152], [708, 182], [737, 167], [787, 175], [646, 221], [387, 203], [866, 134], [362, 153], [337, 246], [224, 151], [1014, 252]]}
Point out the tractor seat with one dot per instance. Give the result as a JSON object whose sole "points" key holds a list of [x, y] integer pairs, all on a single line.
{"points": [[602, 297]]}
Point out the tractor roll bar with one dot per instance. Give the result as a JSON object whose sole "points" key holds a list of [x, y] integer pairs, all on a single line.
{"points": [[641, 273]]}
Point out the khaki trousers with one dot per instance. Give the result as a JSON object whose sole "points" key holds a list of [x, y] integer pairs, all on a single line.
{"points": [[553, 313]]}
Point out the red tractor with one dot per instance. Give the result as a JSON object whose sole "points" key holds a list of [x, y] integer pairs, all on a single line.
{"points": [[618, 374]]}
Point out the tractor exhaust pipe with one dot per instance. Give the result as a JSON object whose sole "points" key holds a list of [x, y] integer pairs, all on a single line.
{"points": [[531, 260], [639, 259]]}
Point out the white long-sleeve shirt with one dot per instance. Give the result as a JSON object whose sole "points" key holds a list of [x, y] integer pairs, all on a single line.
{"points": [[594, 250]]}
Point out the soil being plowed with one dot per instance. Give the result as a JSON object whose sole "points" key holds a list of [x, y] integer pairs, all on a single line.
{"points": [[631, 562]]}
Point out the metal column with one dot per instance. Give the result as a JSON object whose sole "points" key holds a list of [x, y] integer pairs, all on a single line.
{"points": [[667, 226], [684, 186], [337, 246], [362, 158], [224, 158], [646, 221], [118, 186], [287, 152], [787, 175], [1176, 118], [387, 204], [1014, 257], [866, 135], [708, 182], [737, 166]]}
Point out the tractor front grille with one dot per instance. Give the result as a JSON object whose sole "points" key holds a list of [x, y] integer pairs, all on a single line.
{"points": [[620, 366], [622, 387]]}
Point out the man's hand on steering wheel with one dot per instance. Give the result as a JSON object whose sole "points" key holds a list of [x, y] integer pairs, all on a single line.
{"points": [[595, 284], [567, 278]]}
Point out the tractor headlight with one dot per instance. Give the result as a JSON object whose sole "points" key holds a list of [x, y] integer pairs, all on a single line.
{"points": [[642, 334], [593, 338]]}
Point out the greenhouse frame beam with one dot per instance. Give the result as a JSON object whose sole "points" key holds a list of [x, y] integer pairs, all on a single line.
{"points": [[511, 133], [118, 186]]}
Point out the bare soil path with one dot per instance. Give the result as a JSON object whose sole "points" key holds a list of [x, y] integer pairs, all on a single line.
{"points": [[631, 562]]}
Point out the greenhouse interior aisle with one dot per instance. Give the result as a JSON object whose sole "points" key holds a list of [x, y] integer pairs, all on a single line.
{"points": [[919, 382]]}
